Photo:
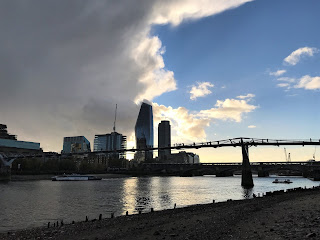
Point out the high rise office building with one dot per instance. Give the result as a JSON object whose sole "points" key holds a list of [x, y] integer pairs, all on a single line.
{"points": [[109, 142], [10, 144], [144, 132], [78, 144], [164, 140]]}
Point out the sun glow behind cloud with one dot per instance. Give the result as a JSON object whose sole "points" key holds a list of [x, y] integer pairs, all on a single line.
{"points": [[190, 127]]}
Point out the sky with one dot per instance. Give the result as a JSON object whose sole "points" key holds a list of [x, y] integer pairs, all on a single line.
{"points": [[216, 69]]}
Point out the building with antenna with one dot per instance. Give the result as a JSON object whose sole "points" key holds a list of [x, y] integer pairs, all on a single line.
{"points": [[111, 142]]}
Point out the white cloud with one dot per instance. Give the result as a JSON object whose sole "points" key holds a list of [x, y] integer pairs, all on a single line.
{"points": [[278, 73], [246, 96], [190, 127], [287, 79], [287, 85], [201, 90], [296, 55], [252, 126], [229, 109], [185, 126], [156, 79], [309, 83], [174, 12]]}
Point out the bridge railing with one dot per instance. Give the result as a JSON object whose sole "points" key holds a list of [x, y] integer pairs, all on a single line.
{"points": [[234, 142]]}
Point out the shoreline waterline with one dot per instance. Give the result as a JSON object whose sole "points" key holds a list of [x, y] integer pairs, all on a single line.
{"points": [[28, 204], [155, 223]]}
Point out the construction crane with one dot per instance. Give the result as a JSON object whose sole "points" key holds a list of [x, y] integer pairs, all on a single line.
{"points": [[115, 119], [288, 157], [285, 153]]}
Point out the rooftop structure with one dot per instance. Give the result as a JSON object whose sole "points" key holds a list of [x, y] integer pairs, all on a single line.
{"points": [[4, 133], [184, 157]]}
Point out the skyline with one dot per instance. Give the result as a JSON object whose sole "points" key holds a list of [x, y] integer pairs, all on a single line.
{"points": [[216, 70]]}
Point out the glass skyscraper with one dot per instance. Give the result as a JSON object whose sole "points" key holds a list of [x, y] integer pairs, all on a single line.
{"points": [[144, 132], [110, 142]]}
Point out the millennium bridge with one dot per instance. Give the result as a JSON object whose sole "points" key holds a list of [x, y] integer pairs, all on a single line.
{"points": [[242, 142]]}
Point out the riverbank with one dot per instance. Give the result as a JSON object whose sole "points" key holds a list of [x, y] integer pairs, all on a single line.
{"points": [[49, 176], [292, 215]]}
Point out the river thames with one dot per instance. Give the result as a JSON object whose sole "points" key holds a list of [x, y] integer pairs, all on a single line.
{"points": [[26, 204]]}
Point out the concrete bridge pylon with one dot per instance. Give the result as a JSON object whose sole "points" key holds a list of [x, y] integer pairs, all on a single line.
{"points": [[246, 179]]}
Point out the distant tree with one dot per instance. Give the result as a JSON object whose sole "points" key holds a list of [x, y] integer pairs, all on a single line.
{"points": [[51, 165], [67, 165], [86, 167]]}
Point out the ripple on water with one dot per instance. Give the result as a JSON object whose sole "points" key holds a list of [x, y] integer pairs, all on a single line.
{"points": [[34, 203]]}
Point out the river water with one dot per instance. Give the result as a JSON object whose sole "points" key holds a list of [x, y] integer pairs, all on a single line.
{"points": [[26, 204]]}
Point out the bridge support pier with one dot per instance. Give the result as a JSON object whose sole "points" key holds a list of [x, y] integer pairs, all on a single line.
{"points": [[246, 180], [262, 172]]}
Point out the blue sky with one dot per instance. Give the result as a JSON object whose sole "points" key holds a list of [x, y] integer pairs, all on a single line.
{"points": [[237, 49], [216, 69]]}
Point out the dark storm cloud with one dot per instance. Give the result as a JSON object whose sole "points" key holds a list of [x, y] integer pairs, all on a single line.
{"points": [[65, 64]]}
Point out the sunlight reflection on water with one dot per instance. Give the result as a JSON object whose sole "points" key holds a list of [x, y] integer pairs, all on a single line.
{"points": [[34, 203]]}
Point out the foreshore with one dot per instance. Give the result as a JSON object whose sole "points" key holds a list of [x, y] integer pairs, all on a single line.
{"points": [[291, 215]]}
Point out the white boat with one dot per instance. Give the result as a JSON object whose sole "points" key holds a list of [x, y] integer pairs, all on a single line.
{"points": [[282, 181], [75, 177]]}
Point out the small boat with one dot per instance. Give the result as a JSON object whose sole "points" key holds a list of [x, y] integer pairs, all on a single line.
{"points": [[282, 181], [75, 177]]}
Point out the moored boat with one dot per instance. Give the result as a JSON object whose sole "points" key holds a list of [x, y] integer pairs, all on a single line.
{"points": [[75, 177], [282, 181]]}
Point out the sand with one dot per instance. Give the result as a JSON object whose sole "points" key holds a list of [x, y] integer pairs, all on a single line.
{"points": [[292, 215]]}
